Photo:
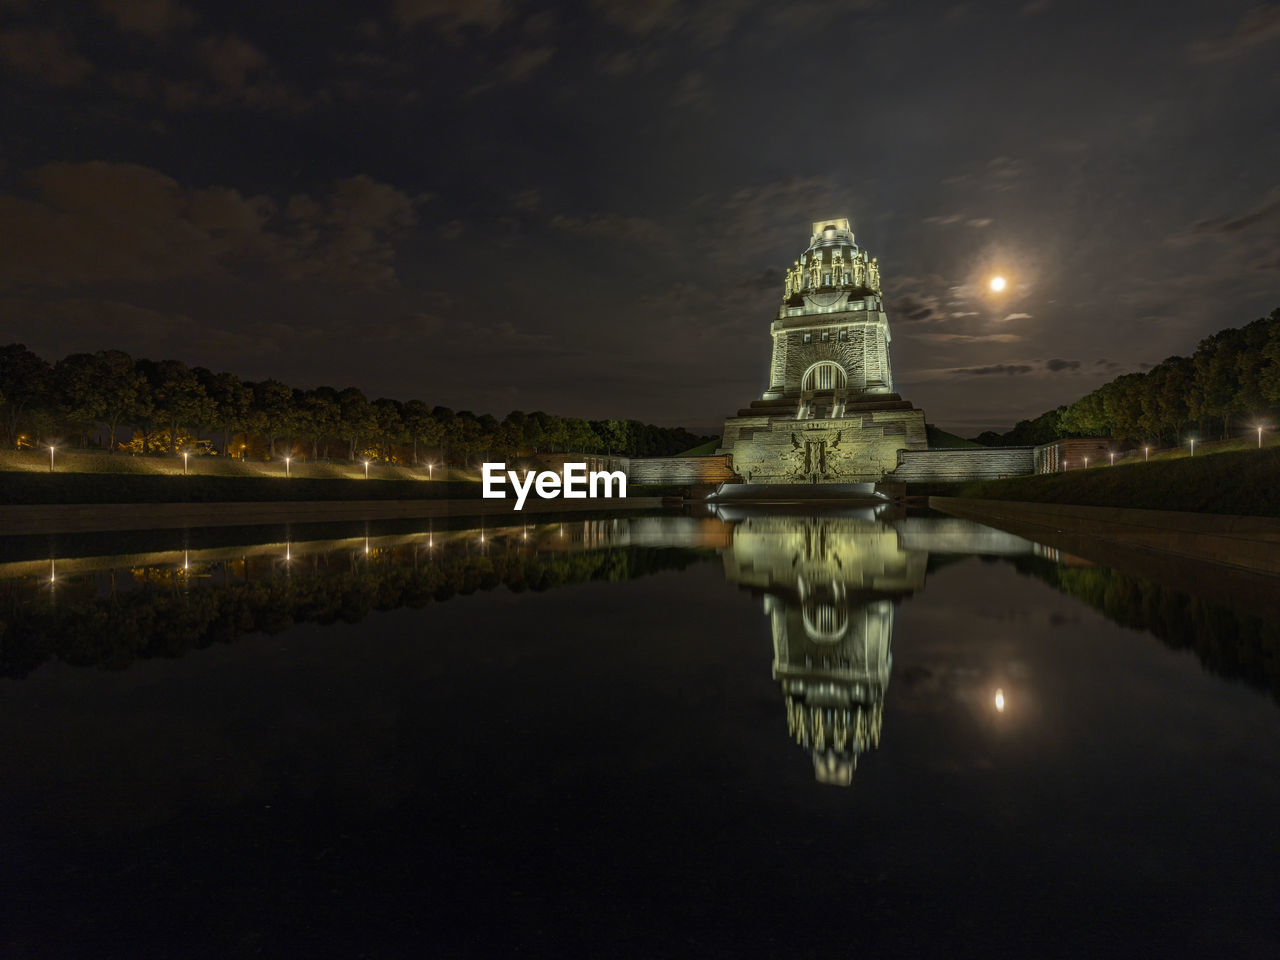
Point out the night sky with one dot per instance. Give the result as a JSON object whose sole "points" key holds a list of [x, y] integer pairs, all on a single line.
{"points": [[589, 208]]}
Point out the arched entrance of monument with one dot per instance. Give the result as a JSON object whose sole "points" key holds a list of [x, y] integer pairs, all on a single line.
{"points": [[823, 389], [826, 375]]}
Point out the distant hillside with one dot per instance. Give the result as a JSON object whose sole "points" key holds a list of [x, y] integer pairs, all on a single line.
{"points": [[1229, 386], [940, 438]]}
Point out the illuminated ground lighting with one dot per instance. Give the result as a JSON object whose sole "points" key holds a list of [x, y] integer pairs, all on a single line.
{"points": [[430, 467], [1259, 437], [366, 469], [186, 457], [1113, 458], [1146, 453], [51, 459], [999, 701], [997, 284], [1086, 463], [1193, 446], [286, 465]]}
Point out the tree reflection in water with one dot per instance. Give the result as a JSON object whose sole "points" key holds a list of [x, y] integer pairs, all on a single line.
{"points": [[829, 585]]}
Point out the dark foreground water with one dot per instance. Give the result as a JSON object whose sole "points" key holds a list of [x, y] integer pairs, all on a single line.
{"points": [[754, 736]]}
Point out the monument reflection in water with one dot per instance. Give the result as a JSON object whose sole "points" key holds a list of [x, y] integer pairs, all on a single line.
{"points": [[829, 585], [829, 582]]}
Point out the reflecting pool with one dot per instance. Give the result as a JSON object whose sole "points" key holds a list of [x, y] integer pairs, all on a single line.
{"points": [[736, 734]]}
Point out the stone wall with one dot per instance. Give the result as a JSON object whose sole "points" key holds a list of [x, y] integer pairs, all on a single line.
{"points": [[712, 469], [955, 464], [1070, 454]]}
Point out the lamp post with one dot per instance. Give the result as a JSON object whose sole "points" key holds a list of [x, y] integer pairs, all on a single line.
{"points": [[1146, 453], [1193, 446], [366, 469], [1064, 464], [431, 466], [286, 465], [1086, 463], [1259, 436], [51, 459], [185, 463], [1113, 458]]}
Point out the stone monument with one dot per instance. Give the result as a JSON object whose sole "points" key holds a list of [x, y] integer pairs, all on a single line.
{"points": [[830, 414]]}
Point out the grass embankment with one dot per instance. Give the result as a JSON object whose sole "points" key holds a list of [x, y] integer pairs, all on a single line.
{"points": [[1241, 481], [701, 450], [97, 462]]}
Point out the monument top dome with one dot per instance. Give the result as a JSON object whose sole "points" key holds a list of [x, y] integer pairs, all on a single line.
{"points": [[836, 232], [832, 263]]}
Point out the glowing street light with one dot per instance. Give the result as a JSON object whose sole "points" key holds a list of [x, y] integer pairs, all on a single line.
{"points": [[1193, 446], [185, 463], [1113, 458], [1259, 436], [430, 466], [1146, 453], [286, 465], [51, 459], [366, 469], [1086, 463], [1064, 464]]}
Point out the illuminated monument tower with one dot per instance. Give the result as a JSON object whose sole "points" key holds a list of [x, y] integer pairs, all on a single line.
{"points": [[829, 586], [830, 414]]}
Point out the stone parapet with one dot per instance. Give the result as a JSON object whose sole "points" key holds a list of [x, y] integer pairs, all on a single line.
{"points": [[960, 464]]}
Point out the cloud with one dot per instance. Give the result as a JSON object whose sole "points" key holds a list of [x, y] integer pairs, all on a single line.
{"points": [[908, 309], [1266, 210], [85, 323], [97, 223], [639, 230], [641, 17], [527, 200], [45, 55], [1015, 316], [953, 218], [152, 18], [1057, 365], [1258, 27], [768, 279], [692, 93], [523, 64], [971, 337], [1010, 369], [516, 69], [999, 175], [756, 217], [449, 16]]}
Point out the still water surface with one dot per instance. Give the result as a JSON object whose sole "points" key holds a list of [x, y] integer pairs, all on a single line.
{"points": [[641, 737]]}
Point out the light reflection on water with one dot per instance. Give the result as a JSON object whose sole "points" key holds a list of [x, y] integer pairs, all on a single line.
{"points": [[488, 726]]}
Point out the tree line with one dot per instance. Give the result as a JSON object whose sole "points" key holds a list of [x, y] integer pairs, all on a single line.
{"points": [[165, 613], [1231, 383], [110, 399]]}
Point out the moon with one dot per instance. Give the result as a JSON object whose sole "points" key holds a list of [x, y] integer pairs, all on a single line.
{"points": [[997, 284]]}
